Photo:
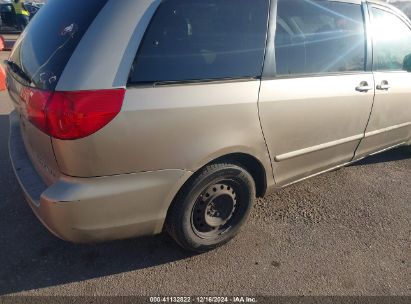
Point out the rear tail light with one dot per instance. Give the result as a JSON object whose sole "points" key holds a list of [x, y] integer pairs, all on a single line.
{"points": [[71, 115]]}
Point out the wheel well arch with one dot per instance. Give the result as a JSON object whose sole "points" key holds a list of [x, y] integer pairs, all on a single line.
{"points": [[246, 161], [252, 165]]}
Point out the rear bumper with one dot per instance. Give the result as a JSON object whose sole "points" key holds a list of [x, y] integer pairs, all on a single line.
{"points": [[96, 209]]}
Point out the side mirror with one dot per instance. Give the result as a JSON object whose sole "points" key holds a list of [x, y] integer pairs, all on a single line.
{"points": [[407, 63]]}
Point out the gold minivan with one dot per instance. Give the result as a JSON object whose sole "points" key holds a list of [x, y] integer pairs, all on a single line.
{"points": [[136, 117]]}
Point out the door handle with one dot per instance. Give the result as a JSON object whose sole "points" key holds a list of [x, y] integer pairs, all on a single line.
{"points": [[364, 87], [384, 86]]}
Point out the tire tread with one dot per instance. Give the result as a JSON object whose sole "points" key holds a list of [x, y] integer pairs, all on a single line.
{"points": [[177, 209]]}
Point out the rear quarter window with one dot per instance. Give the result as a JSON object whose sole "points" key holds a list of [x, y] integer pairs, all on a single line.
{"points": [[203, 40], [43, 50]]}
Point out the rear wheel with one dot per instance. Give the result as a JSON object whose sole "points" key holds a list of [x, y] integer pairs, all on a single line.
{"points": [[210, 209]]}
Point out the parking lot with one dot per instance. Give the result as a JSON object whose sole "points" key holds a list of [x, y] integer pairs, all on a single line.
{"points": [[344, 233]]}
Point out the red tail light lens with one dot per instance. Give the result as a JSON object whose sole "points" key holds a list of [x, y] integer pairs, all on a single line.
{"points": [[74, 115], [71, 115], [33, 104]]}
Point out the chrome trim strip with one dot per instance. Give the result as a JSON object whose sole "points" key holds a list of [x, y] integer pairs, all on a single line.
{"points": [[316, 174], [338, 167], [378, 132], [294, 154]]}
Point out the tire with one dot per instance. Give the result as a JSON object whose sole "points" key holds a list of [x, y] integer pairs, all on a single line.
{"points": [[210, 209]]}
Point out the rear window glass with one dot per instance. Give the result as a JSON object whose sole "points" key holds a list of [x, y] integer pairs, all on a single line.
{"points": [[46, 46], [203, 40]]}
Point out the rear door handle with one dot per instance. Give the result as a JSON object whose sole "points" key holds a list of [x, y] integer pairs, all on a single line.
{"points": [[364, 87], [384, 86]]}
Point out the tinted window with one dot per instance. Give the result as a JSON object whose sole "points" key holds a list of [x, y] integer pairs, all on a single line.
{"points": [[392, 41], [316, 37], [51, 38], [203, 39]]}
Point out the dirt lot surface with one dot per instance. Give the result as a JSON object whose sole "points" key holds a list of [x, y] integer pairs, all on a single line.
{"points": [[343, 233]]}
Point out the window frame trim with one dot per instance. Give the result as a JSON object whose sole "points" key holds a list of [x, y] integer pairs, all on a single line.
{"points": [[161, 84], [270, 66]]}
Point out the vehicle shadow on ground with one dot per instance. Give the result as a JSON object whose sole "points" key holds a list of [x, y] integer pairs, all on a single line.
{"points": [[31, 258], [401, 153]]}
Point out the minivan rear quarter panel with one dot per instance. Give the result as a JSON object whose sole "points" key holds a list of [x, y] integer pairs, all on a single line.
{"points": [[171, 127]]}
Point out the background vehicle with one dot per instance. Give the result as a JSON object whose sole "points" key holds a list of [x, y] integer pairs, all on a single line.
{"points": [[199, 109], [8, 16]]}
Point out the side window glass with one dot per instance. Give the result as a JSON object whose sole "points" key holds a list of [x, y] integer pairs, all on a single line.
{"points": [[392, 41], [191, 40], [319, 37]]}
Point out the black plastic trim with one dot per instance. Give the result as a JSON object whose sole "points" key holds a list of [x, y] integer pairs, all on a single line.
{"points": [[269, 69]]}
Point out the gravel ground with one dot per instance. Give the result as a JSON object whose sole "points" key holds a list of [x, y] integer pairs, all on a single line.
{"points": [[343, 233]]}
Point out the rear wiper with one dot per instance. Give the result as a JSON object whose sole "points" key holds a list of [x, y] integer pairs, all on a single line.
{"points": [[16, 69]]}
